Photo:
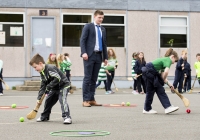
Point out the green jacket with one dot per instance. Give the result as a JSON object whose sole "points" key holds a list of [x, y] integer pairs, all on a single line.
{"points": [[67, 64]]}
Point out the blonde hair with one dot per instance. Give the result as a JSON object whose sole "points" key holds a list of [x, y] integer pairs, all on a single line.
{"points": [[60, 58]]}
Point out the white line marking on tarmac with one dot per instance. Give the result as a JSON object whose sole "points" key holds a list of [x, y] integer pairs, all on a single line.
{"points": [[32, 120]]}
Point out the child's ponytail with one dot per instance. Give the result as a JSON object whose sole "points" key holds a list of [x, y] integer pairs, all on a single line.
{"points": [[171, 52]]}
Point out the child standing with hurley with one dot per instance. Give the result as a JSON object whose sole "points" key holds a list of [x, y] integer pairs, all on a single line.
{"points": [[155, 75], [55, 84], [134, 59], [110, 69], [68, 63], [138, 69], [1, 76], [197, 67]]}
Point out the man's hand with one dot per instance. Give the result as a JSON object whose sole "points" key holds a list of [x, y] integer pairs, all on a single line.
{"points": [[105, 61], [85, 56]]}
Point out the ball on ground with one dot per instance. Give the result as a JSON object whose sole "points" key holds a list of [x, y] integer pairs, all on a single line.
{"points": [[188, 111], [13, 105], [123, 103], [21, 119], [128, 103]]}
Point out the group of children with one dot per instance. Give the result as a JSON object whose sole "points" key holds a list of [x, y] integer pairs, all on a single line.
{"points": [[61, 61], [107, 72], [182, 79]]}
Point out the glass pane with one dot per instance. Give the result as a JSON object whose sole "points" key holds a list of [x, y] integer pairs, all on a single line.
{"points": [[12, 41], [113, 20], [115, 36], [76, 18], [173, 30], [11, 17], [173, 21], [71, 35], [172, 40]]}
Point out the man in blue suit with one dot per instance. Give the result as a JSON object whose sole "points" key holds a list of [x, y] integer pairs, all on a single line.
{"points": [[93, 51]]}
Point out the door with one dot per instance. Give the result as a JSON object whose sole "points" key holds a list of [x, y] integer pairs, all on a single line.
{"points": [[42, 39]]}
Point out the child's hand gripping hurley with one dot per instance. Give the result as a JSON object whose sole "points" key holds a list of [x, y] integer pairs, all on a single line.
{"points": [[33, 113]]}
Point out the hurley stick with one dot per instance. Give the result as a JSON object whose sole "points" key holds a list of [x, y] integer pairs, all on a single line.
{"points": [[115, 86], [131, 79], [193, 84], [185, 100], [33, 113], [184, 82], [6, 86]]}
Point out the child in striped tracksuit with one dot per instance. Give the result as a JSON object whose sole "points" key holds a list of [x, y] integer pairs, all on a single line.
{"points": [[187, 75], [102, 76], [134, 58]]}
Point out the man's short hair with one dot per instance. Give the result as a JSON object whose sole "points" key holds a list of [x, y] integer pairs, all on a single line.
{"points": [[98, 12], [36, 59], [198, 54]]}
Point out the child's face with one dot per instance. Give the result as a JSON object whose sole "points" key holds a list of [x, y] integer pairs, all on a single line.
{"points": [[53, 57], [198, 58], [184, 55], [38, 67], [141, 55], [111, 52]]}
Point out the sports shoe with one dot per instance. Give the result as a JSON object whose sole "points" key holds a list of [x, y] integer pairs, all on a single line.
{"points": [[40, 119], [171, 109], [108, 92], [67, 120], [149, 112], [68, 93], [1, 94], [135, 92]]}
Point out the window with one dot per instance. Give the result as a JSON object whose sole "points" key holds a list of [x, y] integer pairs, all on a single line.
{"points": [[72, 29], [115, 30], [72, 26], [173, 32], [12, 30]]}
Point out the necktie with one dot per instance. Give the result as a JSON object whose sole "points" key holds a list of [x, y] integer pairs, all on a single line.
{"points": [[99, 38]]}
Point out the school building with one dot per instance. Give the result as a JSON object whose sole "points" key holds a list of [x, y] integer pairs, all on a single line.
{"points": [[28, 27]]}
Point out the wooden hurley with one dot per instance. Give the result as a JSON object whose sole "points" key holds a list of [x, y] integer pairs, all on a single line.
{"points": [[184, 82], [185, 100], [193, 84], [6, 86], [131, 79], [33, 113], [115, 86]]}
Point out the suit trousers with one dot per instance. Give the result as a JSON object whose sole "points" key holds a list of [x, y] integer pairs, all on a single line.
{"points": [[91, 70], [1, 86]]}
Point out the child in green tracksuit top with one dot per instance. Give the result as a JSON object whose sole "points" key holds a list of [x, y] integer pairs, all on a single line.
{"points": [[102, 76], [197, 67], [110, 69], [68, 64]]}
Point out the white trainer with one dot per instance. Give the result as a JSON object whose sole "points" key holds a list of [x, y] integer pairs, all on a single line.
{"points": [[67, 120], [149, 112], [1, 94], [171, 109]]}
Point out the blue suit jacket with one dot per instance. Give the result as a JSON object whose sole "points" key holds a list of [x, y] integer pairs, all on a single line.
{"points": [[88, 40]]}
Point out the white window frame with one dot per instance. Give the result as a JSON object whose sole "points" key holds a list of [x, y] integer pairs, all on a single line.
{"points": [[89, 14], [23, 13], [174, 16], [118, 25]]}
